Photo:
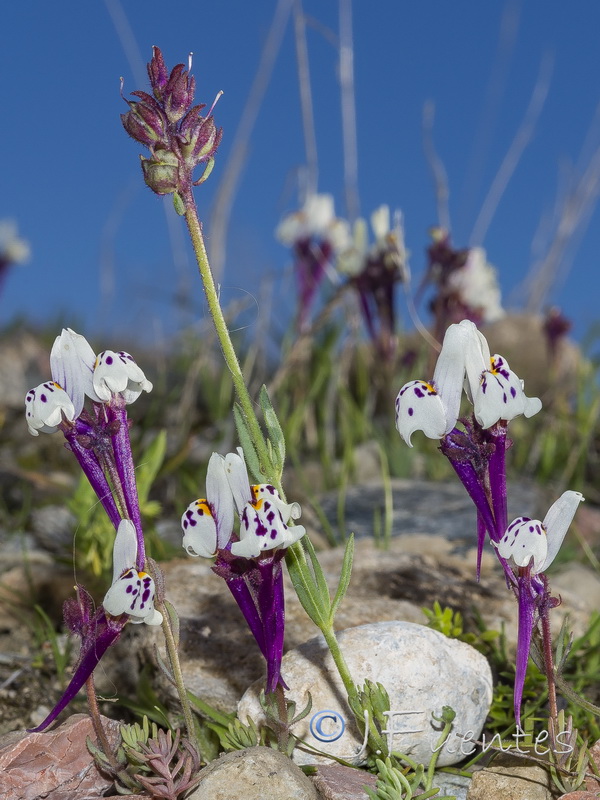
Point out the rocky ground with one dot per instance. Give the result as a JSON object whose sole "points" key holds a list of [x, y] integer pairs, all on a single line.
{"points": [[431, 556]]}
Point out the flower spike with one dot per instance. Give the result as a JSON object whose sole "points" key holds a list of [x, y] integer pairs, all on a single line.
{"points": [[251, 566]]}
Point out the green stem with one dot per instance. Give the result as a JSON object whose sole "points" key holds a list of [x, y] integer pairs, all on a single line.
{"points": [[436, 754], [340, 661], [245, 401], [229, 354], [177, 674]]}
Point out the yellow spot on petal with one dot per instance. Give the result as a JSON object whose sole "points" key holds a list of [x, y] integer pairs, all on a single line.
{"points": [[203, 506], [257, 503]]}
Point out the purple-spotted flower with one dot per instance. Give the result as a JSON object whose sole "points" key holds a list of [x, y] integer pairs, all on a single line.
{"points": [[178, 136], [117, 373], [433, 406], [249, 562], [316, 236], [495, 391], [98, 435], [132, 591], [129, 599], [532, 546], [87, 400], [263, 514], [374, 272], [208, 522]]}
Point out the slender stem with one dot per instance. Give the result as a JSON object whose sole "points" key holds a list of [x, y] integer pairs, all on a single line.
{"points": [[283, 732], [97, 722], [340, 661], [549, 666], [177, 674], [118, 770], [229, 354]]}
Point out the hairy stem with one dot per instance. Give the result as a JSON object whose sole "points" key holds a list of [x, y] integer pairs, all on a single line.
{"points": [[177, 674], [118, 770], [229, 354], [549, 667]]}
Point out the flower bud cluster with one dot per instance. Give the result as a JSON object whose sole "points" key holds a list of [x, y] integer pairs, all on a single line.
{"points": [[178, 136]]}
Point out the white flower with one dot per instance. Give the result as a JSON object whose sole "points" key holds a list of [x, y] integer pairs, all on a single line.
{"points": [[353, 259], [526, 539], [263, 514], [495, 391], [476, 283], [117, 373], [132, 592], [12, 249], [208, 523], [316, 219], [433, 407], [45, 407], [389, 244], [72, 363]]}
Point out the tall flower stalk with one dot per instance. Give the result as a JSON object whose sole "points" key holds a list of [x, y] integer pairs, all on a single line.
{"points": [[179, 142]]}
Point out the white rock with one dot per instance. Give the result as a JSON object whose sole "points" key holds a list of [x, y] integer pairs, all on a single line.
{"points": [[422, 671], [255, 773]]}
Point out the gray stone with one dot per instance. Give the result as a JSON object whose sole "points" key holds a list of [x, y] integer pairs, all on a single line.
{"points": [[54, 527], [422, 671], [255, 773], [337, 782], [449, 785], [442, 509], [517, 780]]}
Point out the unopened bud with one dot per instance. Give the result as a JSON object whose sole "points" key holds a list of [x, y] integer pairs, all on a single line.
{"points": [[158, 74], [161, 173]]}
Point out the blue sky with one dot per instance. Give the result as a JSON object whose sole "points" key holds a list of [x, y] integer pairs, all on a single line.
{"points": [[104, 255]]}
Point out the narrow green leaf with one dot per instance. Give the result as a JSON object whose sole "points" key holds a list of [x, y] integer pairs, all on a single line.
{"points": [[274, 429], [162, 665], [304, 585], [247, 445], [319, 576], [208, 711]]}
